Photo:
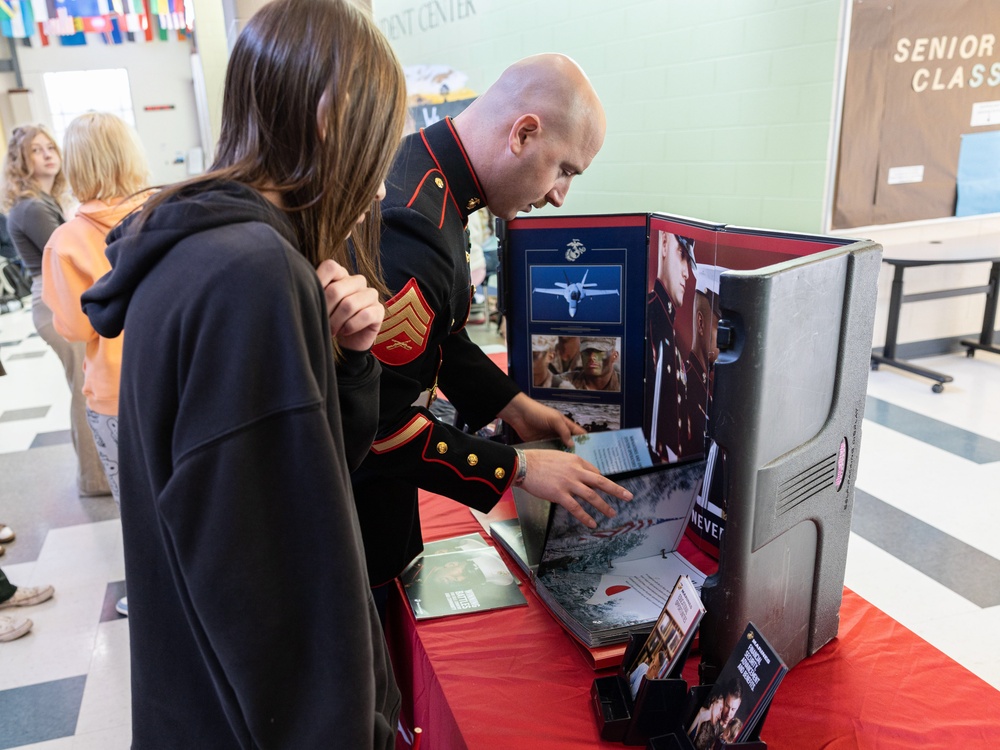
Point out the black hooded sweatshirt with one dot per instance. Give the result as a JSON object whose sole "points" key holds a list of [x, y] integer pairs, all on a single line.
{"points": [[250, 615]]}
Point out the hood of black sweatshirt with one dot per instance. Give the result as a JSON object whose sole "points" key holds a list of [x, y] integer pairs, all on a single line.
{"points": [[134, 253]]}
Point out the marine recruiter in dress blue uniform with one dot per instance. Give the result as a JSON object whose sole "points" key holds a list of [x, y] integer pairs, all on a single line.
{"points": [[516, 147], [431, 191]]}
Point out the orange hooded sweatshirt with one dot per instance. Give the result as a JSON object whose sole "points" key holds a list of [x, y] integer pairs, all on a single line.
{"points": [[73, 260]]}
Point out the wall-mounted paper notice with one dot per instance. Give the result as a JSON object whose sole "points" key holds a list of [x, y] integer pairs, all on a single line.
{"points": [[903, 175], [985, 113]]}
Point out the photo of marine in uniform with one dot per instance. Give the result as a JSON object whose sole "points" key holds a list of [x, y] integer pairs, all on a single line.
{"points": [[674, 420]]}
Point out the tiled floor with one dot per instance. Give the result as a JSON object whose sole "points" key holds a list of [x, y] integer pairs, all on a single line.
{"points": [[926, 547]]}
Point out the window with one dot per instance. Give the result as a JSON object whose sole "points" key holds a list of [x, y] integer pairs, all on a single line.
{"points": [[74, 92]]}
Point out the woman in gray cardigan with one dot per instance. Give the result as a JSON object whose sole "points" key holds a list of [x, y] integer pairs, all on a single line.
{"points": [[34, 185]]}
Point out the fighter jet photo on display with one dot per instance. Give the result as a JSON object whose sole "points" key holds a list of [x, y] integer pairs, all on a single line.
{"points": [[575, 292]]}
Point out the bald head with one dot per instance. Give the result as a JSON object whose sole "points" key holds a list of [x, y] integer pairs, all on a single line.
{"points": [[532, 132]]}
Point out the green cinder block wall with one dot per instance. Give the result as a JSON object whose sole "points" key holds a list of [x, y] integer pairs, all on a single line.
{"points": [[717, 109]]}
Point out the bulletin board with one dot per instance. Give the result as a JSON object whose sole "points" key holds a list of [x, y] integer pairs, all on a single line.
{"points": [[920, 75]]}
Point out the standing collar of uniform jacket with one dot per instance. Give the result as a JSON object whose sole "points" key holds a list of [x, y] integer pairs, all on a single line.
{"points": [[447, 151], [661, 296]]}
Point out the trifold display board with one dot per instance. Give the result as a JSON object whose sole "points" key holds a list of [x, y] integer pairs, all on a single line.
{"points": [[746, 346]]}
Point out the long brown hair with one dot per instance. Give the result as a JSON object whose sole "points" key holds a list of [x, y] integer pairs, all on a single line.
{"points": [[17, 168], [298, 68]]}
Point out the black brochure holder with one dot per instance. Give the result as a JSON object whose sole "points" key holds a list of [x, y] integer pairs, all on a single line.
{"points": [[661, 711], [659, 706], [678, 739]]}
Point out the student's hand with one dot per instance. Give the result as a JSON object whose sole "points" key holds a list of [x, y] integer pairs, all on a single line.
{"points": [[567, 480], [534, 421], [353, 307]]}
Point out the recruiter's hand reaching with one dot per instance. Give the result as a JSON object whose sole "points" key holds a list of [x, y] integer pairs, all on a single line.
{"points": [[353, 307], [568, 480], [535, 421]]}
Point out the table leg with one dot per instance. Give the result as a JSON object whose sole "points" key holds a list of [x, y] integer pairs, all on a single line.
{"points": [[985, 342], [895, 304], [888, 355]]}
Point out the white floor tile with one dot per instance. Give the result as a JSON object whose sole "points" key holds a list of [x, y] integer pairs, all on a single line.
{"points": [[106, 699], [81, 554], [117, 738], [958, 496]]}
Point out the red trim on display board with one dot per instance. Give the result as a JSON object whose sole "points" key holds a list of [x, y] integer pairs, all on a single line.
{"points": [[575, 222]]}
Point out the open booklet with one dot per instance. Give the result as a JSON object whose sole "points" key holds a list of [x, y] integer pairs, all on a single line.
{"points": [[459, 575], [613, 453], [605, 583]]}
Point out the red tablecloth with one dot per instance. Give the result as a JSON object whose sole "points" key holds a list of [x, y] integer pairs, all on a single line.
{"points": [[513, 678]]}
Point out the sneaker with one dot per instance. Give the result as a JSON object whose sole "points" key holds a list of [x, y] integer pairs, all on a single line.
{"points": [[6, 534], [12, 628], [121, 607], [26, 596]]}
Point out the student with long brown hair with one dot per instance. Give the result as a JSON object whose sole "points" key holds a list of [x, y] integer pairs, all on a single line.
{"points": [[35, 197], [251, 620]]}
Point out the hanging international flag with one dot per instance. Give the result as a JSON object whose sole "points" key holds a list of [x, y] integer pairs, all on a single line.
{"points": [[113, 35], [80, 8], [40, 9], [78, 39], [21, 23]]}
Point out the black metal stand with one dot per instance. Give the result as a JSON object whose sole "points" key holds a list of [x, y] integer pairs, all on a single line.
{"points": [[985, 342], [661, 711], [678, 740], [659, 704], [897, 298]]}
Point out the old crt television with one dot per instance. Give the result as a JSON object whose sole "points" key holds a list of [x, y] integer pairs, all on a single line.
{"points": [[794, 315]]}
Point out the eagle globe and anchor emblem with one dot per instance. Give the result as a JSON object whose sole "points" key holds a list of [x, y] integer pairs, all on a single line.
{"points": [[574, 249]]}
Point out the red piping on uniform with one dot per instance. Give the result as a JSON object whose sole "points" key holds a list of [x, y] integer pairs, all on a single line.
{"points": [[419, 186], [447, 186], [429, 459]]}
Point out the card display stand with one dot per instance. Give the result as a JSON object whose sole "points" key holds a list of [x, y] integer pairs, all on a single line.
{"points": [[663, 707], [660, 704], [678, 740]]}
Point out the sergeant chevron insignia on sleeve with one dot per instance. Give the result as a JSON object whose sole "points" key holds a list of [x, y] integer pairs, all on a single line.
{"points": [[403, 435], [404, 332]]}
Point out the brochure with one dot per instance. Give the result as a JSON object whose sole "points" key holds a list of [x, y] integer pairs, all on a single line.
{"points": [[453, 583]]}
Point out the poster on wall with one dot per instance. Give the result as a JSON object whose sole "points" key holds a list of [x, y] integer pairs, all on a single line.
{"points": [[921, 74], [433, 92]]}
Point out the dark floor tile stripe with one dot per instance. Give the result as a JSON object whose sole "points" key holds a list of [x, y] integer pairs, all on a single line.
{"points": [[969, 572], [56, 437], [947, 437], [114, 591], [16, 415], [42, 712]]}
